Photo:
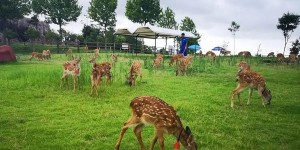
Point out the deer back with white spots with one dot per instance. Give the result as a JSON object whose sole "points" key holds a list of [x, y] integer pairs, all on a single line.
{"points": [[154, 111]]}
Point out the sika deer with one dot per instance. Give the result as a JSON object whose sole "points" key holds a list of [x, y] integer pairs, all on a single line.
{"points": [[280, 58], [37, 55], [46, 54], [71, 68], [211, 55], [157, 61], [183, 65], [99, 71], [248, 78], [153, 110], [69, 52], [96, 51], [175, 58], [135, 70]]}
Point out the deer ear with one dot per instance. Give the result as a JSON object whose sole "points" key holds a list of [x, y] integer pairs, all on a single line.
{"points": [[188, 130]]}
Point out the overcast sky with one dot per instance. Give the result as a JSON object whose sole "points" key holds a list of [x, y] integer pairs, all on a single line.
{"points": [[257, 20]]}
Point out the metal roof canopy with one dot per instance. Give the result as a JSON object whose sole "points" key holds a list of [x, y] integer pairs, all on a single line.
{"points": [[153, 32]]}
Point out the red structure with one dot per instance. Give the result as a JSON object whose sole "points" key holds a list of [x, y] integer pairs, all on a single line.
{"points": [[7, 54]]}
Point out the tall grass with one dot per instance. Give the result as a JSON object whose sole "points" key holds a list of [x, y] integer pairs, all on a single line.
{"points": [[37, 114]]}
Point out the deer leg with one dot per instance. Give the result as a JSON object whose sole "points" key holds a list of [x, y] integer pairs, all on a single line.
{"points": [[153, 142], [131, 122], [74, 83], [159, 134], [62, 80], [250, 94], [237, 90], [138, 133]]}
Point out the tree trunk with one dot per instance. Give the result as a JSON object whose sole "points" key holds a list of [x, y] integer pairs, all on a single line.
{"points": [[60, 40], [105, 40]]}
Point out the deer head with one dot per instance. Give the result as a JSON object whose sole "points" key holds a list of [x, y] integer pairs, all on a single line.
{"points": [[267, 95]]}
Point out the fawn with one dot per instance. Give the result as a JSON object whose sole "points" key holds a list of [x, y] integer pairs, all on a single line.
{"points": [[37, 55], [71, 68], [46, 54], [69, 52], [175, 58], [248, 78], [100, 70], [135, 70], [153, 110], [211, 55], [183, 65], [157, 61]]}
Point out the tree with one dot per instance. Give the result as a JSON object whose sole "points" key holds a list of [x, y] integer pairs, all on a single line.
{"points": [[9, 34], [187, 24], [13, 9], [295, 47], [90, 33], [288, 23], [143, 11], [167, 19], [32, 34], [103, 12], [59, 12], [233, 28]]}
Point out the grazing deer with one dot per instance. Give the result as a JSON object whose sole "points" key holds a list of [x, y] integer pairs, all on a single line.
{"points": [[271, 54], [183, 65], [248, 78], [175, 59], [135, 70], [153, 110], [225, 52], [36, 55], [71, 68], [99, 71], [211, 55], [280, 58], [244, 54], [157, 61], [292, 58], [69, 52]]}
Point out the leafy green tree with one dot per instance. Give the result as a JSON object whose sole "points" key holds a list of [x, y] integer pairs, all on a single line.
{"points": [[52, 37], [59, 12], [103, 12], [34, 20], [295, 47], [143, 11], [90, 33], [167, 19], [288, 23], [32, 33], [233, 28], [187, 24], [9, 34], [13, 9]]}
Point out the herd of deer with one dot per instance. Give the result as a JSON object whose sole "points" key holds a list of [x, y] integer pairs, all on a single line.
{"points": [[153, 110]]}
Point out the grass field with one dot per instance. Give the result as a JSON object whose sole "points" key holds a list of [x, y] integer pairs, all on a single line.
{"points": [[37, 114]]}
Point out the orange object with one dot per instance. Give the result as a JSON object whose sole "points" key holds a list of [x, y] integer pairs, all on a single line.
{"points": [[177, 145]]}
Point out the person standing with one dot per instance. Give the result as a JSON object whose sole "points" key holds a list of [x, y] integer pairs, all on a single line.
{"points": [[183, 45]]}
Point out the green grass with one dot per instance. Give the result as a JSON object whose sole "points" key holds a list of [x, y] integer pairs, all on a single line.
{"points": [[37, 114]]}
